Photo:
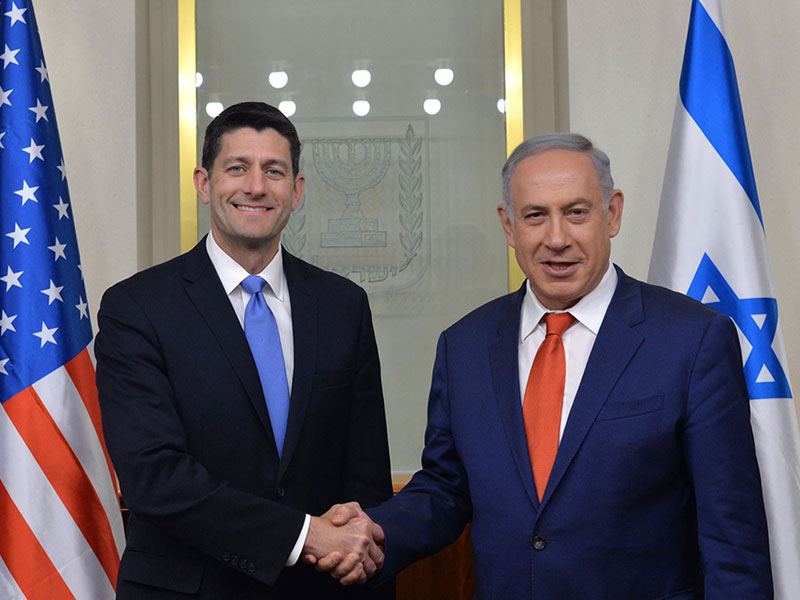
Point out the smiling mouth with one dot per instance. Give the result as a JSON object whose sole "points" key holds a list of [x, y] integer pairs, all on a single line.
{"points": [[246, 208]]}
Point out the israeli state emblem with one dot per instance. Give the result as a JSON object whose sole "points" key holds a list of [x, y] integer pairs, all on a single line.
{"points": [[365, 211]]}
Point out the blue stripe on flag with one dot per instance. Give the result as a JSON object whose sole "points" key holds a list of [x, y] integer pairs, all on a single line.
{"points": [[710, 94], [44, 321]]}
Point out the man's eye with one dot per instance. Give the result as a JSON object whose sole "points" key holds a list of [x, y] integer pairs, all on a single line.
{"points": [[236, 169], [274, 172]]}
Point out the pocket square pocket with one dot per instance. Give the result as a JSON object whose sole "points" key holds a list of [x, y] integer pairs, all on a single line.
{"points": [[630, 408]]}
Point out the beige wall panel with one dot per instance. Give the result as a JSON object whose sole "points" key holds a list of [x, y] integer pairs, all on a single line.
{"points": [[89, 50]]}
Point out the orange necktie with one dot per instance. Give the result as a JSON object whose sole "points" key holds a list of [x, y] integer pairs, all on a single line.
{"points": [[544, 395]]}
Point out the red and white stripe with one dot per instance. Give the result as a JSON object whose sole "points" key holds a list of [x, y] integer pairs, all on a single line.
{"points": [[63, 533]]}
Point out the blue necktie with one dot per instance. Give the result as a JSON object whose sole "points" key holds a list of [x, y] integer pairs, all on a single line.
{"points": [[261, 331]]}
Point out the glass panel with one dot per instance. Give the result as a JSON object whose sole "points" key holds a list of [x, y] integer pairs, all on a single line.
{"points": [[401, 192]]}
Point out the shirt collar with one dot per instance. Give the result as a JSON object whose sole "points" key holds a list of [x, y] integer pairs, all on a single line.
{"points": [[231, 273], [589, 310]]}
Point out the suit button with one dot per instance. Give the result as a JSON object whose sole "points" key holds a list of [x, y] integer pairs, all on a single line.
{"points": [[280, 492], [235, 560], [539, 543], [226, 557], [251, 568], [243, 564]]}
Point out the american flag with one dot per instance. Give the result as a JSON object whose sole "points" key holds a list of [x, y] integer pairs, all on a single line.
{"points": [[60, 526]]}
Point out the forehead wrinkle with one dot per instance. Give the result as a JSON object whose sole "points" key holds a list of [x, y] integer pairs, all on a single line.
{"points": [[556, 169]]}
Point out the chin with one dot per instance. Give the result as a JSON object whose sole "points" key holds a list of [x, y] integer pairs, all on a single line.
{"points": [[561, 299]]}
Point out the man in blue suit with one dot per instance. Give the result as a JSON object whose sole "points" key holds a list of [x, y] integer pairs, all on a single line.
{"points": [[654, 491]]}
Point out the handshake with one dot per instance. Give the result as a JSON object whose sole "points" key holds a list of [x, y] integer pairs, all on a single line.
{"points": [[346, 543]]}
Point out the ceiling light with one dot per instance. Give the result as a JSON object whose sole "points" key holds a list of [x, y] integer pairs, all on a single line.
{"points": [[287, 107], [431, 106], [361, 78], [443, 76], [361, 108], [214, 108], [278, 79]]}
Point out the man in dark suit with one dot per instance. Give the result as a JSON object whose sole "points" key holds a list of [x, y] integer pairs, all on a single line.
{"points": [[222, 454], [647, 485]]}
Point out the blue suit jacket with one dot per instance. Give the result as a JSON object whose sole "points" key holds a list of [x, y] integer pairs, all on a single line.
{"points": [[655, 491]]}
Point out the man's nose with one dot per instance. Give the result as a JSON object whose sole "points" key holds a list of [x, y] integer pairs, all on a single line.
{"points": [[557, 238], [255, 183]]}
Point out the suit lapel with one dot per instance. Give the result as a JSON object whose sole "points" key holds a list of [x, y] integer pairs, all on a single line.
{"points": [[616, 343], [208, 296], [304, 328], [505, 379]]}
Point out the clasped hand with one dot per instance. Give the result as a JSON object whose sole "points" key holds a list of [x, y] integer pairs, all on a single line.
{"points": [[346, 543]]}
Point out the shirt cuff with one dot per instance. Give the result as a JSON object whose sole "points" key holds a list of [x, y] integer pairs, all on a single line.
{"points": [[298, 545]]}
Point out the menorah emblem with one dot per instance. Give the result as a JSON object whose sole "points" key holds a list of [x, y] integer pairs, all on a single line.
{"points": [[352, 166]]}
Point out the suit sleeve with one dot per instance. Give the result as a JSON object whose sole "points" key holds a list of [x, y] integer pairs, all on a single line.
{"points": [[161, 482], [720, 453], [433, 509], [368, 474]]}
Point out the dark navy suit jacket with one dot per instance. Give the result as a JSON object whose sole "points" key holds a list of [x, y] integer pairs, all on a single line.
{"points": [[655, 491], [214, 511]]}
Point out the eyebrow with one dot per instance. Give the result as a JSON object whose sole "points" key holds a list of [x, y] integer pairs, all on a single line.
{"points": [[247, 160], [578, 201], [571, 204]]}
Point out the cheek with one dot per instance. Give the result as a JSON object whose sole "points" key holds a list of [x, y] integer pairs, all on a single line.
{"points": [[599, 249], [530, 242]]}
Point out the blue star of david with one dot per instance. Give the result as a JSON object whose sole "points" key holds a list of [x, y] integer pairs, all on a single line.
{"points": [[743, 312]]}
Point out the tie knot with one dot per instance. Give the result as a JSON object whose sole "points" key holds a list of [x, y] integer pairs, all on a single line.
{"points": [[253, 284], [558, 323]]}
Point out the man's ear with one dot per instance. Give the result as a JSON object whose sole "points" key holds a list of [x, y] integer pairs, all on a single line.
{"points": [[614, 214], [299, 187], [200, 177], [505, 221]]}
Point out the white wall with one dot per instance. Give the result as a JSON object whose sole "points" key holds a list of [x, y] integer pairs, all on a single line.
{"points": [[89, 49], [624, 65]]}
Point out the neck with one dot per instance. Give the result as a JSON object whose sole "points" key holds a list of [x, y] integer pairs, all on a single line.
{"points": [[254, 264], [252, 259]]}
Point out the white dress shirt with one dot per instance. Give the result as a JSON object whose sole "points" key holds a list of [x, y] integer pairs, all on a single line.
{"points": [[589, 313], [276, 294]]}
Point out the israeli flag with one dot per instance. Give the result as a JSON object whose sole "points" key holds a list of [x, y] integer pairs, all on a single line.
{"points": [[710, 244]]}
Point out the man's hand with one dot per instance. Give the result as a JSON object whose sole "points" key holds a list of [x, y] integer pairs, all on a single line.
{"points": [[346, 543]]}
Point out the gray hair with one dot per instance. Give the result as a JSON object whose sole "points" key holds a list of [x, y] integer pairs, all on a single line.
{"points": [[558, 141]]}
